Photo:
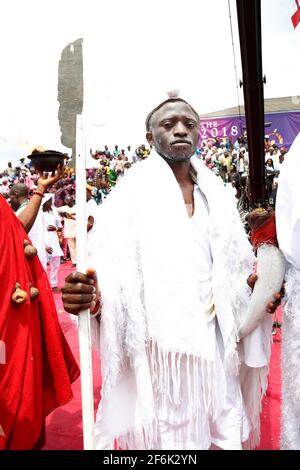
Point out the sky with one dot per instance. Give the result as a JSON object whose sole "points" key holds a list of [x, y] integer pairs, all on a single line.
{"points": [[134, 52]]}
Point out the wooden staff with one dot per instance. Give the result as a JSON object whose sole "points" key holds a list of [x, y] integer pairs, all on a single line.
{"points": [[249, 21], [270, 260]]}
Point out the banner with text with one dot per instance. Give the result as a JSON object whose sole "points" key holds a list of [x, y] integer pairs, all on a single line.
{"points": [[281, 128]]}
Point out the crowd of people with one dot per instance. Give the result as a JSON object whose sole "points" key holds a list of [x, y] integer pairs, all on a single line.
{"points": [[231, 162], [109, 167]]}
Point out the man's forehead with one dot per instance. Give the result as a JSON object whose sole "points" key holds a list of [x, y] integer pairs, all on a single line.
{"points": [[173, 109]]}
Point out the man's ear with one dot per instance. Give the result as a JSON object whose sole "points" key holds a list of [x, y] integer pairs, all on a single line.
{"points": [[149, 137]]}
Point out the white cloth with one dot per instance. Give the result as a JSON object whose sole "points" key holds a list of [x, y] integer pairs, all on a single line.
{"points": [[36, 235], [202, 248], [54, 268], [288, 206], [154, 327], [223, 426], [72, 249], [288, 234], [69, 224], [51, 239], [91, 208], [91, 211], [240, 165]]}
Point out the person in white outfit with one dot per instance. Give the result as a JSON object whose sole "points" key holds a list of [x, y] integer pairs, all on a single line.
{"points": [[68, 212], [172, 266], [288, 233], [51, 225]]}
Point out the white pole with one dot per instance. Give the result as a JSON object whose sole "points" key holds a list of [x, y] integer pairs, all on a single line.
{"points": [[84, 327]]}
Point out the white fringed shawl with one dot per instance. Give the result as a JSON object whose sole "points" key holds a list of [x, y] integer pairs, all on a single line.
{"points": [[153, 325], [288, 234]]}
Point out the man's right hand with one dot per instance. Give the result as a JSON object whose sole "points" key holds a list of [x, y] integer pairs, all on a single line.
{"points": [[80, 291]]}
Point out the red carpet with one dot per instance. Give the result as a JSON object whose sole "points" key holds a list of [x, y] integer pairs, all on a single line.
{"points": [[64, 429], [271, 412]]}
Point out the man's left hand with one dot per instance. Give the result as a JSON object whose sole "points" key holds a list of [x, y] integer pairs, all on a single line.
{"points": [[272, 306]]}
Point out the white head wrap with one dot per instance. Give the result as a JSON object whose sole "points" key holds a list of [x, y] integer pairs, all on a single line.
{"points": [[47, 197]]}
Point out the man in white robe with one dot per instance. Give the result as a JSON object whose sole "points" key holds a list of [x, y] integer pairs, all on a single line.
{"points": [[288, 234], [68, 212], [172, 266]]}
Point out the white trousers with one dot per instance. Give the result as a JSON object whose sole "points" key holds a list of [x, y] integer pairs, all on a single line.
{"points": [[54, 267], [72, 248]]}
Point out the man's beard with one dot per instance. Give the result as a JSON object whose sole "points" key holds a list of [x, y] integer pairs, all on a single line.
{"points": [[176, 159], [171, 157]]}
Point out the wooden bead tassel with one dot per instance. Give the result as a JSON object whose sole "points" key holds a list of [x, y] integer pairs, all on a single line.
{"points": [[19, 296], [34, 292], [29, 250]]}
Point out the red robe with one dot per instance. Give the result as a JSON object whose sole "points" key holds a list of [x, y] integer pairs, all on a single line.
{"points": [[39, 366]]}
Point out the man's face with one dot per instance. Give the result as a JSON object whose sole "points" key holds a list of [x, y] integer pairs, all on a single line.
{"points": [[174, 131], [282, 151], [47, 205], [69, 201], [14, 201]]}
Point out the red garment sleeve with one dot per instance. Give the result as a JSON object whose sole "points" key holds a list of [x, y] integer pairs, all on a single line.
{"points": [[39, 366]]}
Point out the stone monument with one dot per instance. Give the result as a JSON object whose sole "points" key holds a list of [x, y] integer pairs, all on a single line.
{"points": [[70, 93]]}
